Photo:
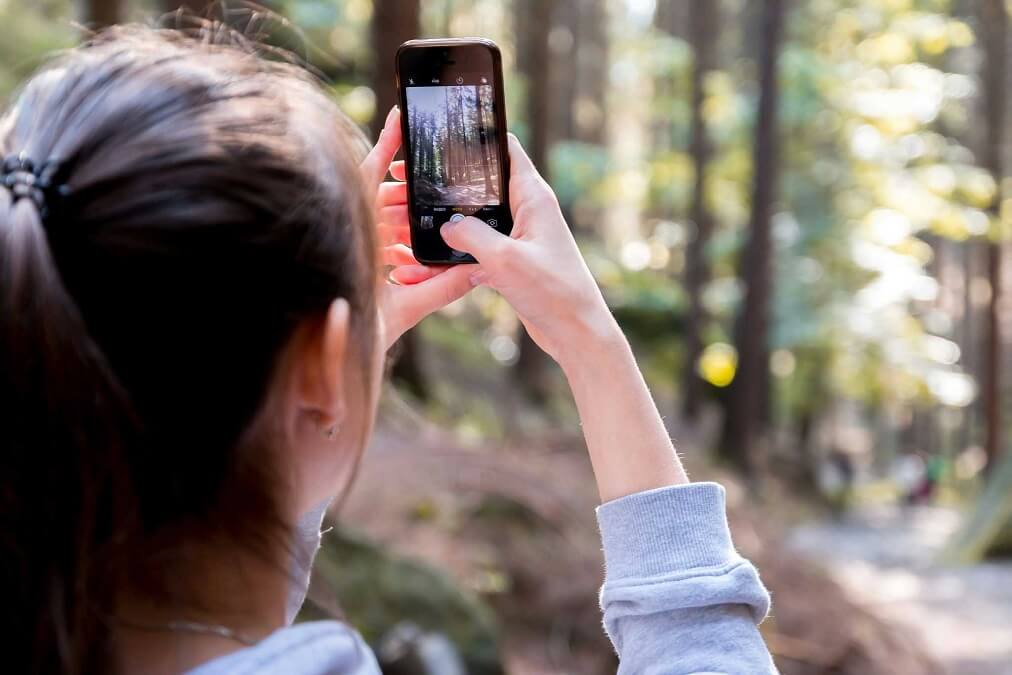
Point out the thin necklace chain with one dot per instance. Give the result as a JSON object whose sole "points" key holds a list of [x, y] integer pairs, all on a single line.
{"points": [[193, 627]]}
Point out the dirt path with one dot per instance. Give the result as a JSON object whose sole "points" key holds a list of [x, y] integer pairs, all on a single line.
{"points": [[886, 558]]}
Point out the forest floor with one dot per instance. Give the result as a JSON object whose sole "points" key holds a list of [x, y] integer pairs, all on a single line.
{"points": [[513, 521], [476, 193], [885, 557]]}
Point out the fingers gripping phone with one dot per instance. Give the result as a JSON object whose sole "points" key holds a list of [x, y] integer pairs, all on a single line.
{"points": [[454, 121]]}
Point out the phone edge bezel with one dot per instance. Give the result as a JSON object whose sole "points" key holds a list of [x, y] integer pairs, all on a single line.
{"points": [[501, 128]]}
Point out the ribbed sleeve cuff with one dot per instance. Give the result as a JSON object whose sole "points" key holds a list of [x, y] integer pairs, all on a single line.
{"points": [[665, 530]]}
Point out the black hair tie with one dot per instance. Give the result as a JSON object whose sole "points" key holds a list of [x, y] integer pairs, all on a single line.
{"points": [[25, 179]]}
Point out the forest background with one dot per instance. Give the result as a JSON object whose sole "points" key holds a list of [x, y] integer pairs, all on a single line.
{"points": [[800, 211]]}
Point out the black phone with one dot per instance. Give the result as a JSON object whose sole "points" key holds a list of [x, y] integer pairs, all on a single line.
{"points": [[453, 116]]}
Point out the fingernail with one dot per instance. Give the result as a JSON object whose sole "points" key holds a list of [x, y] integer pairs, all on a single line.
{"points": [[391, 114]]}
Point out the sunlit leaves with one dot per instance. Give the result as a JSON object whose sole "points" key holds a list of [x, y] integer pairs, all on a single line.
{"points": [[895, 179], [886, 49], [718, 364], [578, 170]]}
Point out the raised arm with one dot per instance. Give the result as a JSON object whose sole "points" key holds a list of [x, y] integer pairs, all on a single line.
{"points": [[677, 598]]}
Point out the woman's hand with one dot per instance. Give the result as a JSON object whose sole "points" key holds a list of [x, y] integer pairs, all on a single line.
{"points": [[412, 291], [540, 272], [539, 269]]}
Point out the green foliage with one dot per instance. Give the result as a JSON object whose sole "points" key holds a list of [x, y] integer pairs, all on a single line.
{"points": [[577, 171], [32, 31]]}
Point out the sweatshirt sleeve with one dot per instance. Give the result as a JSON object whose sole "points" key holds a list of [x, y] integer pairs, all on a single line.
{"points": [[677, 598]]}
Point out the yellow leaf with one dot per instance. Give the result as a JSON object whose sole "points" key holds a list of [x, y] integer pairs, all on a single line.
{"points": [[718, 364]]}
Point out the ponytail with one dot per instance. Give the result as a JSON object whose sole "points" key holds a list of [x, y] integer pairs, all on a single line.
{"points": [[145, 317], [64, 492]]}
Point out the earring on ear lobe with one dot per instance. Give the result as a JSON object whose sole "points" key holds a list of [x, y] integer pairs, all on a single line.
{"points": [[330, 432]]}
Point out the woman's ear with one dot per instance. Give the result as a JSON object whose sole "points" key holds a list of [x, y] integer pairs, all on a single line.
{"points": [[320, 383]]}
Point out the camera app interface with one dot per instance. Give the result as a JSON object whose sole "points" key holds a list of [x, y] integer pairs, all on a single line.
{"points": [[455, 152]]}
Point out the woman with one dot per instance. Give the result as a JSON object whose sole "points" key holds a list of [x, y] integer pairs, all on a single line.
{"points": [[193, 324]]}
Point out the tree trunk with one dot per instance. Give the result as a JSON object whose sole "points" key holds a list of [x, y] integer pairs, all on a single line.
{"points": [[479, 115], [705, 19], [673, 16], [534, 21], [577, 105], [749, 390], [989, 522], [994, 27], [565, 54], [97, 14], [592, 62], [988, 527], [394, 22], [448, 148]]}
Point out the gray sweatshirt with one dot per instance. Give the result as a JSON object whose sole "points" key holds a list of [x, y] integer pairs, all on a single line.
{"points": [[677, 598]]}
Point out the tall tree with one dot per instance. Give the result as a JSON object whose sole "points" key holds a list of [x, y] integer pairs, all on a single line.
{"points": [[565, 47], [994, 28], [533, 25], [483, 145], [578, 105], [743, 422], [592, 61], [672, 17], [97, 14], [704, 18], [394, 22]]}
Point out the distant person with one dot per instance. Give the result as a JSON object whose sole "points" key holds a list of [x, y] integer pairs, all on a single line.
{"points": [[926, 489], [909, 474], [193, 324], [918, 478], [837, 478]]}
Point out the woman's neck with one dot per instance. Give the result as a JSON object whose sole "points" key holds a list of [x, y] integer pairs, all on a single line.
{"points": [[199, 593]]}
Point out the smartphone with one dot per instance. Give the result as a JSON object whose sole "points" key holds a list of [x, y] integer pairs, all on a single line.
{"points": [[453, 117]]}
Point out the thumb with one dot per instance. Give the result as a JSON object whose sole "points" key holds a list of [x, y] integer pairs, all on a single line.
{"points": [[477, 238]]}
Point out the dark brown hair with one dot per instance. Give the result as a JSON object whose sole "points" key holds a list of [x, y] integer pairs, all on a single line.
{"points": [[213, 207]]}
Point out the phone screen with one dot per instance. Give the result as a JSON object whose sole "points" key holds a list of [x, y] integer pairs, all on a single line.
{"points": [[455, 142]]}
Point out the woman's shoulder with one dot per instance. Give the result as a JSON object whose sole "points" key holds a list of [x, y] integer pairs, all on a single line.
{"points": [[312, 648]]}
